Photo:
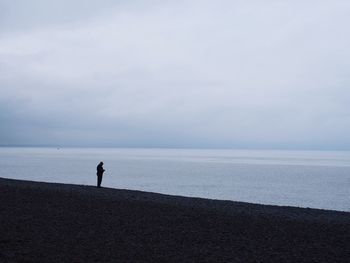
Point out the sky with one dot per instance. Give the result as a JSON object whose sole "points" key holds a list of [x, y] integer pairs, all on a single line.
{"points": [[181, 74]]}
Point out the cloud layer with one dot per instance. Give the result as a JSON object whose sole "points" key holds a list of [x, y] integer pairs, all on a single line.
{"points": [[245, 74]]}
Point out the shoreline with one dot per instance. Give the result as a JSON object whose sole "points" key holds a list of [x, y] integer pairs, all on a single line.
{"points": [[52, 222]]}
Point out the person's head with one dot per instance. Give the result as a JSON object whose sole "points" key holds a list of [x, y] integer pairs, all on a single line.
{"points": [[101, 163]]}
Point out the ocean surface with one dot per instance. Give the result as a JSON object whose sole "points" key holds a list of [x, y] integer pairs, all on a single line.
{"points": [[317, 179]]}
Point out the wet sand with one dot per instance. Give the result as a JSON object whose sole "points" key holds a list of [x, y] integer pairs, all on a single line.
{"points": [[44, 222]]}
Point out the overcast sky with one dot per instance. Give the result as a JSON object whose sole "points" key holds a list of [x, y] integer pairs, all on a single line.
{"points": [[232, 74]]}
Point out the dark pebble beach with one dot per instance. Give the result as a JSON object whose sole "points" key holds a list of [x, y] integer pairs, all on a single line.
{"points": [[49, 222]]}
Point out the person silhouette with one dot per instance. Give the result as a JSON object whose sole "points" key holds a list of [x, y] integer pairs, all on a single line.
{"points": [[99, 173]]}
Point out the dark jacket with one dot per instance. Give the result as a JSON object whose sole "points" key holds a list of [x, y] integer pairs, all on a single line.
{"points": [[100, 169]]}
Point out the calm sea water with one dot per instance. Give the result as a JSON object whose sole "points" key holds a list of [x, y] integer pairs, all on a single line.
{"points": [[294, 178]]}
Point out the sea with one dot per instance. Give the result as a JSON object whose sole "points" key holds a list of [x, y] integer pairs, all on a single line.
{"points": [[315, 179]]}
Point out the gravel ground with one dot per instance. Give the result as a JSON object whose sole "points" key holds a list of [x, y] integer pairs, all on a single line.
{"points": [[45, 222]]}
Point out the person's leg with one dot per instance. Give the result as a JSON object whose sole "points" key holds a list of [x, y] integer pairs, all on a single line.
{"points": [[99, 180]]}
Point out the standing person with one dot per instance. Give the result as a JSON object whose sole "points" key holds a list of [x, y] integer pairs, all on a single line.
{"points": [[99, 173]]}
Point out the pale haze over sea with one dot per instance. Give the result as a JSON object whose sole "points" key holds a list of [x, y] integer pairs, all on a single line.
{"points": [[317, 179]]}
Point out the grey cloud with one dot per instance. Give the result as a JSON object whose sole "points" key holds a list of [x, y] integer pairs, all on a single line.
{"points": [[176, 74], [20, 15]]}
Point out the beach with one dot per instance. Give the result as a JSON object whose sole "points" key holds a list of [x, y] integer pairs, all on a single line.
{"points": [[51, 222]]}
